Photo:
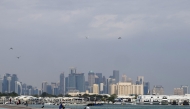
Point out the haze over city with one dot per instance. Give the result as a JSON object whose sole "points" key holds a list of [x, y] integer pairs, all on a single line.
{"points": [[50, 37]]}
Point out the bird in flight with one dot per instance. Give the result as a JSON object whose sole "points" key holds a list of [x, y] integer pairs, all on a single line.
{"points": [[119, 37], [86, 37], [11, 48], [18, 57]]}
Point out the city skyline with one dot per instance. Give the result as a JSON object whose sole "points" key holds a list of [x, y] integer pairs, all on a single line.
{"points": [[79, 84], [41, 39]]}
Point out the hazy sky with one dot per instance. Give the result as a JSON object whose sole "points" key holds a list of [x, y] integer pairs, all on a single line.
{"points": [[50, 38]]}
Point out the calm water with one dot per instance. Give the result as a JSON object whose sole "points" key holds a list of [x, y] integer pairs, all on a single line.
{"points": [[118, 107]]}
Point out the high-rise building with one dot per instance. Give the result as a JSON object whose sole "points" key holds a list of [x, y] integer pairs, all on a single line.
{"points": [[14, 78], [62, 84], [124, 78], [18, 87], [99, 77], [91, 78], [1, 84], [66, 84], [71, 82], [9, 84], [86, 86], [158, 90], [44, 86], [80, 82], [5, 83], [49, 89], [116, 75], [146, 88], [75, 81], [101, 88], [110, 81], [185, 89]]}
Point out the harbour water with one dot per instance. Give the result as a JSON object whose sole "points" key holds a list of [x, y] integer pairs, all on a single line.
{"points": [[116, 107]]}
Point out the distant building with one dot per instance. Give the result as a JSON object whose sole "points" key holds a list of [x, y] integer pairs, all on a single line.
{"points": [[140, 80], [91, 78], [99, 77], [44, 86], [14, 78], [110, 81], [158, 90], [1, 84], [185, 89], [146, 88], [66, 84], [125, 88], [95, 88], [124, 78], [62, 84], [49, 89], [18, 88], [178, 91], [75, 81], [116, 75]]}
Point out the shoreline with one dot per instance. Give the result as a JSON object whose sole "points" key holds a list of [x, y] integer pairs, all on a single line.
{"points": [[14, 106]]}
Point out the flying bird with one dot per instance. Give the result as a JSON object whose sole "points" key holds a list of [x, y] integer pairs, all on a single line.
{"points": [[18, 57], [119, 37], [11, 48], [86, 37]]}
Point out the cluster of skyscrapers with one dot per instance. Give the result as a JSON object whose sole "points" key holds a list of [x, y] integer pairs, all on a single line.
{"points": [[75, 83]]}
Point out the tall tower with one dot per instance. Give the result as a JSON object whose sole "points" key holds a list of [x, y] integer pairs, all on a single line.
{"points": [[44, 86], [14, 78], [1, 84], [91, 79], [80, 82], [9, 84], [62, 84], [116, 75]]}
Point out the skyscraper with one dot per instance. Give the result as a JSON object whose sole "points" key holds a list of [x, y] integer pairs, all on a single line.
{"points": [[75, 81], [80, 82], [99, 77], [116, 75], [91, 78], [71, 82], [44, 86], [18, 87], [62, 84], [14, 78], [66, 84], [146, 88], [5, 82], [1, 84]]}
